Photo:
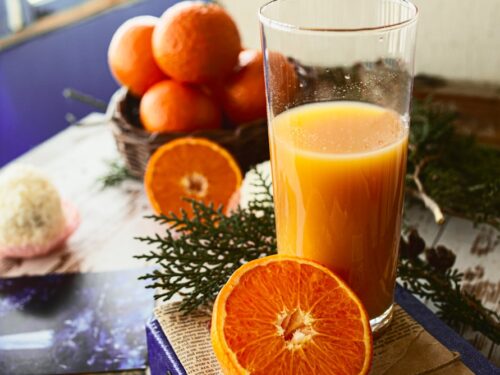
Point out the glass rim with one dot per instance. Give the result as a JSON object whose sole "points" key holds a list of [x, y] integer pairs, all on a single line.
{"points": [[284, 26]]}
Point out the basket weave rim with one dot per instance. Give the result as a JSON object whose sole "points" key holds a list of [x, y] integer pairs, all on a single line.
{"points": [[132, 134]]}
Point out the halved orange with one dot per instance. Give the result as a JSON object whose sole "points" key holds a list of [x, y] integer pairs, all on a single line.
{"points": [[288, 315], [190, 168]]}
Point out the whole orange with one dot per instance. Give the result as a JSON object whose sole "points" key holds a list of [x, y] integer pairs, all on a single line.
{"points": [[171, 106], [130, 55], [244, 94], [196, 42]]}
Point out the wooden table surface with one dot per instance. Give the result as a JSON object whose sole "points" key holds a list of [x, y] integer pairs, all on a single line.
{"points": [[112, 217]]}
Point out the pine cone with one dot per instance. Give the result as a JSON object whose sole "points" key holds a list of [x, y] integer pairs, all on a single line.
{"points": [[403, 248], [416, 244], [440, 258]]}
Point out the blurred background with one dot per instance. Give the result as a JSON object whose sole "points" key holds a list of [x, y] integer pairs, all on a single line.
{"points": [[47, 46]]}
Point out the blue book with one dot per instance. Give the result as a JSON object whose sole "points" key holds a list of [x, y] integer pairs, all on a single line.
{"points": [[163, 359]]}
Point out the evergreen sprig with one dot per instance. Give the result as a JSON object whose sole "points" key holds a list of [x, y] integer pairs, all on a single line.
{"points": [[208, 246], [456, 307], [451, 172], [433, 279], [116, 174]]}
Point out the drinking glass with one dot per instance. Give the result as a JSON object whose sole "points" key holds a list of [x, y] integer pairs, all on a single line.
{"points": [[339, 78]]}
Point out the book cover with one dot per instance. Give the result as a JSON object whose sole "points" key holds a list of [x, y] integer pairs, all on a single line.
{"points": [[73, 323]]}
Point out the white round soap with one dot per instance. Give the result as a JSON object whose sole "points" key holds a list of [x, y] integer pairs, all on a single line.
{"points": [[31, 212]]}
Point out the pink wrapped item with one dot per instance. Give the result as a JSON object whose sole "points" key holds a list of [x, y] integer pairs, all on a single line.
{"points": [[72, 221]]}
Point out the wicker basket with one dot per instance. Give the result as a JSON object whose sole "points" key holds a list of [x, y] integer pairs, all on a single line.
{"points": [[248, 143]]}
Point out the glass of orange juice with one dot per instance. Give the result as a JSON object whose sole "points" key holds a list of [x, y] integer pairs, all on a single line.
{"points": [[339, 78]]}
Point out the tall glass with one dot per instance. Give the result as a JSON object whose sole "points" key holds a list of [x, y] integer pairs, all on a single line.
{"points": [[339, 78]]}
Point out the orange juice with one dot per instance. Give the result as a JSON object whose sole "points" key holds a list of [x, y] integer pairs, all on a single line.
{"points": [[338, 172]]}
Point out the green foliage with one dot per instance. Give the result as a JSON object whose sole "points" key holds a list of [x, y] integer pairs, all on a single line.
{"points": [[431, 128], [208, 246], [434, 279], [454, 306], [462, 176], [117, 173]]}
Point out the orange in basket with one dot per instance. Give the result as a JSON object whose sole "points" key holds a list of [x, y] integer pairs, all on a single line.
{"points": [[196, 42], [171, 106], [287, 315], [190, 168], [283, 81], [130, 55], [244, 94]]}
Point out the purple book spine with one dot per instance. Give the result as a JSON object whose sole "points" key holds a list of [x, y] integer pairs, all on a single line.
{"points": [[161, 355]]}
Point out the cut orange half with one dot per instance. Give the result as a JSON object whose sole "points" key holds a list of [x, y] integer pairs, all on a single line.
{"points": [[287, 315], [190, 168]]}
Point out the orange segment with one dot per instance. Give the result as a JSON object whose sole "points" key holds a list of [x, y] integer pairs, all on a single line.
{"points": [[190, 168], [288, 315]]}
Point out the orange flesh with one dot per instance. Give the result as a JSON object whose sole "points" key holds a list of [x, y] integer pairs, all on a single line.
{"points": [[191, 168], [338, 172], [287, 317]]}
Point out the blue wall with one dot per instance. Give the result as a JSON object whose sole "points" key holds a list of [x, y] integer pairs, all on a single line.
{"points": [[34, 74]]}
